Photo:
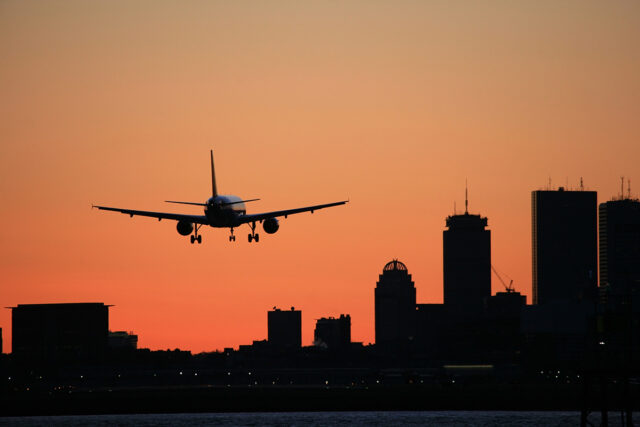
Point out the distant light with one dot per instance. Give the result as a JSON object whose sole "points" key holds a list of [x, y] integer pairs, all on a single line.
{"points": [[195, 374], [326, 382], [82, 376], [228, 373], [180, 372], [601, 343]]}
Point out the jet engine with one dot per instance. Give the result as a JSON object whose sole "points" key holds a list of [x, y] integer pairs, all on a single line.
{"points": [[270, 225], [185, 228]]}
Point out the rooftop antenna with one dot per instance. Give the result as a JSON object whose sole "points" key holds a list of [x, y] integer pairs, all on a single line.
{"points": [[628, 188], [466, 198], [454, 208], [581, 184], [549, 187], [621, 187]]}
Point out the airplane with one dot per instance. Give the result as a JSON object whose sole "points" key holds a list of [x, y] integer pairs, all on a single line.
{"points": [[222, 212]]}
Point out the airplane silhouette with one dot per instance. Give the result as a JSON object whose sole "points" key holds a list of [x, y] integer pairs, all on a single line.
{"points": [[222, 212]]}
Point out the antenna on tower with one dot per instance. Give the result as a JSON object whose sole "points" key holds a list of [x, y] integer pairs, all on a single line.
{"points": [[621, 187], [466, 198], [454, 208], [549, 187], [628, 188], [581, 184]]}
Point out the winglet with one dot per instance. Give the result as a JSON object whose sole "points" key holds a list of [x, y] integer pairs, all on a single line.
{"points": [[214, 189]]}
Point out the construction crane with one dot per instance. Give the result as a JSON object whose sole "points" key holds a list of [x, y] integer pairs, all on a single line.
{"points": [[509, 287]]}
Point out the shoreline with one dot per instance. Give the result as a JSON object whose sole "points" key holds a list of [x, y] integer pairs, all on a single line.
{"points": [[221, 399]]}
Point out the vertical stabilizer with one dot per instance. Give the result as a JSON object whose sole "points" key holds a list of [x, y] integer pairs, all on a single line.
{"points": [[214, 189]]}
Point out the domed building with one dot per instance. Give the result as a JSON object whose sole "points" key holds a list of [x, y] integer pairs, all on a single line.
{"points": [[395, 306]]}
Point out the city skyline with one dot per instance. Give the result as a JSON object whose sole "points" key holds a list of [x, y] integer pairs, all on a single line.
{"points": [[393, 107]]}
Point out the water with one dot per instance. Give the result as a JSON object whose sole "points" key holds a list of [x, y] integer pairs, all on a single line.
{"points": [[321, 419]]}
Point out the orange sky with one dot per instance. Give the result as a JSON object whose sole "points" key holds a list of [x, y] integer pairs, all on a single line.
{"points": [[392, 104]]}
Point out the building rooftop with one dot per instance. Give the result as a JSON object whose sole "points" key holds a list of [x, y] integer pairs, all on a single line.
{"points": [[395, 265]]}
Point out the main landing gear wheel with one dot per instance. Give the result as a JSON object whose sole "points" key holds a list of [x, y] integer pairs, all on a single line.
{"points": [[195, 237], [253, 236]]}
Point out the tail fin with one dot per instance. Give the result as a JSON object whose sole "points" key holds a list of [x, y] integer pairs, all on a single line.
{"points": [[214, 189]]}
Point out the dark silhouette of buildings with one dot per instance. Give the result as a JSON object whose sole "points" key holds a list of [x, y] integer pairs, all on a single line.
{"points": [[0, 340], [122, 340], [285, 328], [619, 316], [620, 244], [395, 306], [59, 333], [333, 333], [564, 236], [466, 262]]}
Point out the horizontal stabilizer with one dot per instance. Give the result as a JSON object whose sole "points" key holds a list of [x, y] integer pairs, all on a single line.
{"points": [[186, 203], [239, 201]]}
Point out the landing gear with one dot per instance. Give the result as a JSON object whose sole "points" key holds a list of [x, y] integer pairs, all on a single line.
{"points": [[195, 237], [253, 236], [232, 238]]}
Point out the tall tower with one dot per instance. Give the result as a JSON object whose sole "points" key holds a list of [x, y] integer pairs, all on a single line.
{"points": [[395, 300], [620, 245], [467, 262], [564, 248]]}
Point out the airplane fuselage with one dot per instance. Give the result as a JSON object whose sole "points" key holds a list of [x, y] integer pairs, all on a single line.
{"points": [[224, 211]]}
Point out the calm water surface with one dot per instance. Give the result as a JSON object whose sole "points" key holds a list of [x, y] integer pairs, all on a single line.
{"points": [[442, 418]]}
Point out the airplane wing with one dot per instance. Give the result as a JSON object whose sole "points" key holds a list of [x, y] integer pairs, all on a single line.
{"points": [[261, 216], [197, 219]]}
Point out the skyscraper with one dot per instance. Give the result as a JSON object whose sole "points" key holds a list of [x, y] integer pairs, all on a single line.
{"points": [[620, 245], [285, 328], [467, 262], [395, 305], [564, 236]]}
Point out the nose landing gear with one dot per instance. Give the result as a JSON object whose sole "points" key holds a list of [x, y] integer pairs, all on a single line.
{"points": [[232, 238]]}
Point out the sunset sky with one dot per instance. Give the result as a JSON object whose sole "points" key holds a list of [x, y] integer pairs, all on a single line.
{"points": [[392, 104]]}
